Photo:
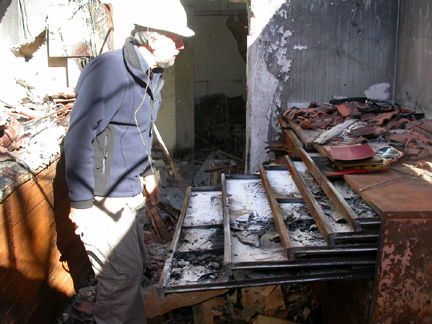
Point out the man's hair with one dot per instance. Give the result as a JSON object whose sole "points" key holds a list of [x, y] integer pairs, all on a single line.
{"points": [[141, 35]]}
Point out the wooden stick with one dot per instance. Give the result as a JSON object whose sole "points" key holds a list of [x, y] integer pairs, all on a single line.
{"points": [[336, 130], [159, 138], [231, 156], [158, 224]]}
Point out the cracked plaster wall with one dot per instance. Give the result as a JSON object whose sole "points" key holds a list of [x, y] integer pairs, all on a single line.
{"points": [[301, 51]]}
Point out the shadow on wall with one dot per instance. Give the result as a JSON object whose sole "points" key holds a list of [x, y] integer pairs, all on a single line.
{"points": [[4, 5], [43, 262]]}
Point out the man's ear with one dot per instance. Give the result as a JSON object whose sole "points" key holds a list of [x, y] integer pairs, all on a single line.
{"points": [[151, 42]]}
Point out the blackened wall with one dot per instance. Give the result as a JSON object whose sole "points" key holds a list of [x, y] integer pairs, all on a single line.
{"points": [[414, 59], [315, 50]]}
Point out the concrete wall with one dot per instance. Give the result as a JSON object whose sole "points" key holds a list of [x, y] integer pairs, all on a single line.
{"points": [[21, 24], [219, 67], [314, 50], [185, 62], [176, 115], [414, 60]]}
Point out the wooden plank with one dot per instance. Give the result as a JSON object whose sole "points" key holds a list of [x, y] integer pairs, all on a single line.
{"points": [[227, 229], [314, 208], [30, 226], [334, 131], [27, 245], [163, 282], [261, 319], [330, 190], [292, 141], [159, 224], [205, 312], [155, 306], [277, 215], [46, 307], [25, 290], [30, 235], [41, 305], [25, 198]]}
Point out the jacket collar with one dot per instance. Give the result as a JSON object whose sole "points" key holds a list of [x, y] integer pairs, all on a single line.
{"points": [[137, 66]]}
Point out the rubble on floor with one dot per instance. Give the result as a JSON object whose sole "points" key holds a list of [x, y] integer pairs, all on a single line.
{"points": [[220, 123], [296, 300]]}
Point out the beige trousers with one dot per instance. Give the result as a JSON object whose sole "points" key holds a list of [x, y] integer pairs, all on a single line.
{"points": [[112, 233]]}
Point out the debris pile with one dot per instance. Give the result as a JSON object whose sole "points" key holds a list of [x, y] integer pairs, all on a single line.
{"points": [[220, 121], [31, 134], [374, 113], [372, 121]]}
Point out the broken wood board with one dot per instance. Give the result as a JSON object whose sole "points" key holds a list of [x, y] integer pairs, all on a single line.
{"points": [[155, 305], [290, 139], [284, 188], [315, 209], [254, 302], [333, 132], [342, 207]]}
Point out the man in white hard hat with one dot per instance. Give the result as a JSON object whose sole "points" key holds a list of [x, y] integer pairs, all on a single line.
{"points": [[109, 169]]}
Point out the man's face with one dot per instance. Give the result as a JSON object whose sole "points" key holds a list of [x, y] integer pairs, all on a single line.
{"points": [[166, 48]]}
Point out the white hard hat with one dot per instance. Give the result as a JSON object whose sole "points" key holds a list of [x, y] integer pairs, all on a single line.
{"points": [[168, 15]]}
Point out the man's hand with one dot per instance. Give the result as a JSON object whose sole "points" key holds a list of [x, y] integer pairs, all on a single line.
{"points": [[151, 191], [79, 217]]}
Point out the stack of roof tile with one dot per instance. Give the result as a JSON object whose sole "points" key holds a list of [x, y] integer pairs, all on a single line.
{"points": [[378, 119]]}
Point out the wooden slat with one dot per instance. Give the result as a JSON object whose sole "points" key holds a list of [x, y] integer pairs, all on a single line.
{"points": [[277, 215], [333, 132], [24, 290], [23, 200], [27, 240], [314, 208], [159, 224], [332, 193], [291, 140], [174, 243]]}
